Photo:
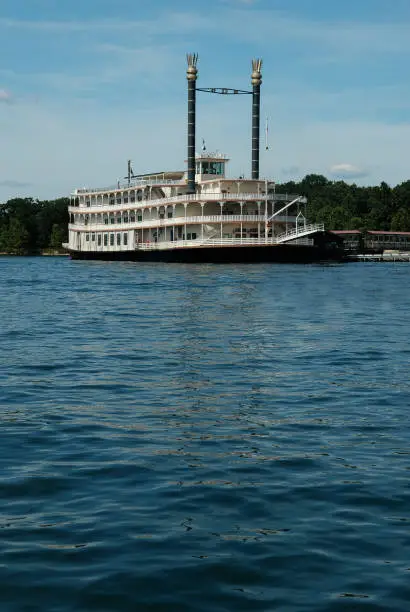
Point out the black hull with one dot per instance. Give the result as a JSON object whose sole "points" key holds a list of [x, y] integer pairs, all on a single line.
{"points": [[223, 254]]}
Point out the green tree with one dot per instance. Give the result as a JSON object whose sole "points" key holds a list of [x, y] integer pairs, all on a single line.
{"points": [[56, 237], [16, 238], [401, 220]]}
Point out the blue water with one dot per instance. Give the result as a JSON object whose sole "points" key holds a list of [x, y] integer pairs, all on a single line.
{"points": [[204, 438]]}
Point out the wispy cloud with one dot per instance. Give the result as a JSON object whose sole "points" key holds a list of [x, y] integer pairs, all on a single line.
{"points": [[291, 171], [10, 183], [347, 171], [240, 2], [5, 96]]}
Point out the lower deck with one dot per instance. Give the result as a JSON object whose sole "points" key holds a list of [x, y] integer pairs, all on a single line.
{"points": [[302, 252]]}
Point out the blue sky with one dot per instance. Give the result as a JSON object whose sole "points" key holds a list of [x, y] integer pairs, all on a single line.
{"points": [[86, 85]]}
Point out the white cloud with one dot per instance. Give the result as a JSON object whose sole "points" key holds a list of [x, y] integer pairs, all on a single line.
{"points": [[347, 171], [5, 96]]}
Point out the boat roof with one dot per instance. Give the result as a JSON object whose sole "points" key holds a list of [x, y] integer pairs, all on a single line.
{"points": [[163, 174]]}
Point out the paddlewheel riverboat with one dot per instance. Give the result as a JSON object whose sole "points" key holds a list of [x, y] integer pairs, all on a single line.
{"points": [[198, 214]]}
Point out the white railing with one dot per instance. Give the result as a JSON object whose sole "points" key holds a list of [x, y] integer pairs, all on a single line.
{"points": [[133, 185], [215, 242], [169, 222], [299, 232], [177, 244], [180, 199]]}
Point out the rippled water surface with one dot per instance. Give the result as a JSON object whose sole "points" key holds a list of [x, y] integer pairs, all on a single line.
{"points": [[204, 438]]}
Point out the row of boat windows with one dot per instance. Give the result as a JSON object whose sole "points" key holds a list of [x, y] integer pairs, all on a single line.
{"points": [[121, 239], [389, 238], [111, 199], [104, 239], [130, 219]]}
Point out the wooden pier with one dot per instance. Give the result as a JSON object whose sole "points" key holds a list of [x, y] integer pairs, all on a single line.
{"points": [[387, 256]]}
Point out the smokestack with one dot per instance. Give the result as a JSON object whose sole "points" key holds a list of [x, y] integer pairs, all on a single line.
{"points": [[191, 75], [256, 112]]}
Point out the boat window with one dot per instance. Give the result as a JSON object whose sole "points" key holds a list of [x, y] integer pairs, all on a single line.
{"points": [[216, 168], [132, 219], [139, 217], [118, 239], [170, 215], [105, 239], [87, 237], [111, 239], [99, 239], [93, 237], [125, 239], [125, 219], [193, 236]]}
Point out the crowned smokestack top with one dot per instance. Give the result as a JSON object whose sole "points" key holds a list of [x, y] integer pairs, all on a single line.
{"points": [[256, 111], [191, 75]]}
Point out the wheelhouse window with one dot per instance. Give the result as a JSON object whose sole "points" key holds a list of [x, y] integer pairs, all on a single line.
{"points": [[215, 168]]}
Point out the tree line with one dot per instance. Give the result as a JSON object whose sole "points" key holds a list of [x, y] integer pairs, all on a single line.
{"points": [[29, 226], [343, 206]]}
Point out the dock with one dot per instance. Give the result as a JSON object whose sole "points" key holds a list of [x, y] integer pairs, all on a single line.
{"points": [[387, 256]]}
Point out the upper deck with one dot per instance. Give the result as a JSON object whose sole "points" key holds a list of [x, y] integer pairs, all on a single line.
{"points": [[209, 166]]}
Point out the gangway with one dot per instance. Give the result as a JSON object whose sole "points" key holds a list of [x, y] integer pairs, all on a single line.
{"points": [[296, 233]]}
